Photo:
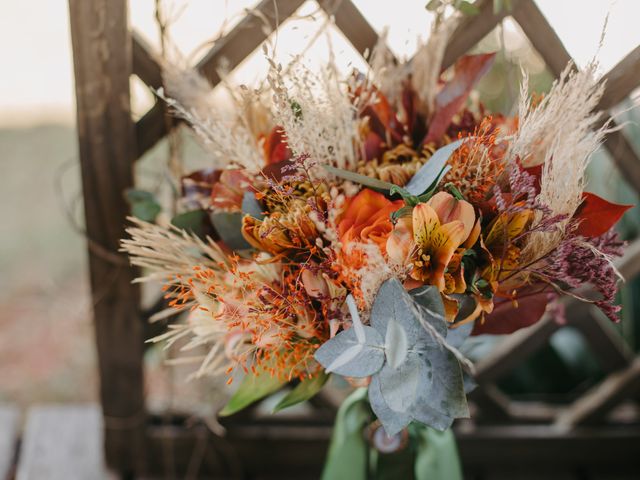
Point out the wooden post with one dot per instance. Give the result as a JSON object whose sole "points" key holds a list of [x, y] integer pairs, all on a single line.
{"points": [[103, 62]]}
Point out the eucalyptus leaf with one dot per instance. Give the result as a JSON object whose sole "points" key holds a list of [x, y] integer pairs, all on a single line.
{"points": [[370, 182], [345, 355], [400, 387], [446, 394], [306, 389], [430, 171], [395, 344], [251, 206], [192, 221], [228, 226], [252, 389], [423, 413], [457, 335], [393, 422], [393, 302], [143, 204], [430, 301]]}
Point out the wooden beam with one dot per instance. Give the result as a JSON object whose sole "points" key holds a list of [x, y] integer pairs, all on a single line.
{"points": [[534, 448], [514, 349], [624, 156], [542, 36], [593, 406], [103, 64], [474, 28], [234, 47], [621, 80], [352, 24], [145, 64], [607, 344]]}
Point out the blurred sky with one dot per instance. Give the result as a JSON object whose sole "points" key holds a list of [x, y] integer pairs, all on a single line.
{"points": [[36, 84]]}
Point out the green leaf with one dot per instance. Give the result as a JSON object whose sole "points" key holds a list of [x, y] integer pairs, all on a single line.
{"points": [[303, 391], [251, 205], [410, 200], [192, 221], [467, 8], [370, 182], [431, 171], [252, 389], [406, 210], [143, 204], [228, 226]]}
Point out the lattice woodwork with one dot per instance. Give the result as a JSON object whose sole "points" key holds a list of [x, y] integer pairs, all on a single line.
{"points": [[108, 148]]}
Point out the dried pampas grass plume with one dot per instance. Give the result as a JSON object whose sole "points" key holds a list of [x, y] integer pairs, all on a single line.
{"points": [[561, 133], [427, 62], [316, 113], [228, 138]]}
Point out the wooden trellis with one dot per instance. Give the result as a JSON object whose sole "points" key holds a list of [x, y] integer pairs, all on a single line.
{"points": [[106, 54]]}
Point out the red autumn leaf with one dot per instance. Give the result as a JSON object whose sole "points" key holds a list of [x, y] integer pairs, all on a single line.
{"points": [[373, 146], [507, 317], [597, 215], [228, 191], [275, 147], [536, 172], [199, 183], [450, 100], [382, 118], [274, 170]]}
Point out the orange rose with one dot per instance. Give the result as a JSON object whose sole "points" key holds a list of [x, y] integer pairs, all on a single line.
{"points": [[366, 219]]}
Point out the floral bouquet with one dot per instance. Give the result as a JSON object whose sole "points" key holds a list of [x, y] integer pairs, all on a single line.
{"points": [[365, 226]]}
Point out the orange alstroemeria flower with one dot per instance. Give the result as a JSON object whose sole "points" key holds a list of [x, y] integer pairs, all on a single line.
{"points": [[366, 219], [431, 237]]}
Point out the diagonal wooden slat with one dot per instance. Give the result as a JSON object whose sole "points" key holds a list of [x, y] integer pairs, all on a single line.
{"points": [[542, 36], [599, 401], [474, 28], [352, 24], [234, 47], [514, 349], [145, 64], [621, 80]]}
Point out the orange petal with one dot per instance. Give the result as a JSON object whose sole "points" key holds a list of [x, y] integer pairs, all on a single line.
{"points": [[506, 227], [473, 236], [400, 242], [425, 224], [445, 241], [450, 208]]}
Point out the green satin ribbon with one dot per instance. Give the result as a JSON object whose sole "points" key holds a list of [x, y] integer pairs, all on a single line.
{"points": [[430, 455]]}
